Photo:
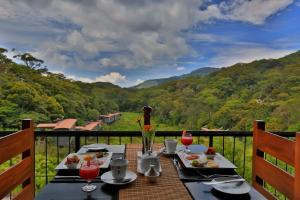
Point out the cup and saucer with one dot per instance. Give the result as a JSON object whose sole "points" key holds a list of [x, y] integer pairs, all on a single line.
{"points": [[170, 147], [119, 174]]}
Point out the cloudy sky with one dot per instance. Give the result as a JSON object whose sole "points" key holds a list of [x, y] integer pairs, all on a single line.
{"points": [[128, 41]]}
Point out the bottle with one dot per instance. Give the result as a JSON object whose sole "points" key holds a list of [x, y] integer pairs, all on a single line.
{"points": [[147, 121]]}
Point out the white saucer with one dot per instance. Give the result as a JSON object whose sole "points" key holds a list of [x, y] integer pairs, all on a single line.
{"points": [[167, 154], [108, 178]]}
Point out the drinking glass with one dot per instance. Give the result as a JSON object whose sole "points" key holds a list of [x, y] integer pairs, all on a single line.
{"points": [[186, 140], [89, 170]]}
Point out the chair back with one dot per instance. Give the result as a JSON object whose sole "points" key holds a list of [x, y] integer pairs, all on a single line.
{"points": [[22, 173], [281, 148]]}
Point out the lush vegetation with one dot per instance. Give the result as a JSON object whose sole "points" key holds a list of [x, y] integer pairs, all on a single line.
{"points": [[128, 122], [230, 98]]}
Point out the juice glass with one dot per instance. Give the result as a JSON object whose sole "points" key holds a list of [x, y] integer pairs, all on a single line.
{"points": [[89, 171], [186, 140]]}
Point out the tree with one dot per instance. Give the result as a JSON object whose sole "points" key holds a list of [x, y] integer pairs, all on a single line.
{"points": [[30, 61]]}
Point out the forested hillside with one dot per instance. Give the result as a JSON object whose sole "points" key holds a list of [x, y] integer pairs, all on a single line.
{"points": [[229, 98], [233, 97], [45, 96]]}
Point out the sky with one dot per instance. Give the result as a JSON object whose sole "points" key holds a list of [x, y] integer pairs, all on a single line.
{"points": [[126, 42]]}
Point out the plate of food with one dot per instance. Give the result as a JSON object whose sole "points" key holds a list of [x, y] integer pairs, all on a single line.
{"points": [[73, 160], [205, 161]]}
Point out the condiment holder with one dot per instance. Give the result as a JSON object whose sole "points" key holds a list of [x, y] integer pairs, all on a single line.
{"points": [[152, 174]]}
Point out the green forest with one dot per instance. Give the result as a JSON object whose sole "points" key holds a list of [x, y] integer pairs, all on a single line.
{"points": [[230, 98]]}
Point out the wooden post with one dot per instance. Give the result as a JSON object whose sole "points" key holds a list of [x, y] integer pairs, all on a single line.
{"points": [[297, 167], [257, 125], [28, 124]]}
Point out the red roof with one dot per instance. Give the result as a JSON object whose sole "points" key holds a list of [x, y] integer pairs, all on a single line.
{"points": [[66, 124], [46, 125], [91, 126]]}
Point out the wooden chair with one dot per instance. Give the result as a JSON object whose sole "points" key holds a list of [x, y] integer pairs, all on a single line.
{"points": [[21, 142], [281, 148]]}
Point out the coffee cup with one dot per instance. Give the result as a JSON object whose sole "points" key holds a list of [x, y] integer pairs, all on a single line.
{"points": [[118, 168], [171, 145]]}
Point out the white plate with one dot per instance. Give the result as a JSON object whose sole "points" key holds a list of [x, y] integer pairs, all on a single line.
{"points": [[105, 164], [96, 147], [232, 188], [108, 178], [222, 162]]}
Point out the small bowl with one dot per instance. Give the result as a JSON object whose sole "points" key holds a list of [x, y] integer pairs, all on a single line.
{"points": [[210, 156], [72, 166]]}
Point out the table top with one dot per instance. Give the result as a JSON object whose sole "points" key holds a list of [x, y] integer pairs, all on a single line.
{"points": [[200, 191], [72, 191], [175, 182]]}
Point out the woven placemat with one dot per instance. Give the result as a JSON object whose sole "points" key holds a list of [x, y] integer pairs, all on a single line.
{"points": [[168, 185]]}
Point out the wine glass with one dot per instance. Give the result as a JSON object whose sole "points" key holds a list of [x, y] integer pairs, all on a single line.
{"points": [[89, 170], [186, 140]]}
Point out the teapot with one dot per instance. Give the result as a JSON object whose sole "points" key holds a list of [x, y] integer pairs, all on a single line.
{"points": [[150, 158]]}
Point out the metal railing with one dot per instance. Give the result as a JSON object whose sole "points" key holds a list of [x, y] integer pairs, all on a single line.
{"points": [[235, 145]]}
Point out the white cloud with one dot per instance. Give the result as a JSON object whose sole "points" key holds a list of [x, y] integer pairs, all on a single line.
{"points": [[180, 68], [113, 77], [244, 54], [131, 34], [255, 11], [138, 81]]}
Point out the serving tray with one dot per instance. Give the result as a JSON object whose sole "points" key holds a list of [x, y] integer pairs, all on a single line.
{"points": [[105, 164], [220, 160]]}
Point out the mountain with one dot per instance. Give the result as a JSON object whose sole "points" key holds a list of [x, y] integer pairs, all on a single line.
{"points": [[155, 82], [232, 97], [229, 98]]}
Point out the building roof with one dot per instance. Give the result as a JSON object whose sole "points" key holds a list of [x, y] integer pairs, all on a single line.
{"points": [[91, 126], [110, 115], [47, 125], [66, 124]]}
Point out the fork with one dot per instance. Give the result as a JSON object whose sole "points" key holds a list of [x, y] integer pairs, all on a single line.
{"points": [[217, 175]]}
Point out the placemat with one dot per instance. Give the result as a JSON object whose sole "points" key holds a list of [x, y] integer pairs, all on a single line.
{"points": [[168, 185]]}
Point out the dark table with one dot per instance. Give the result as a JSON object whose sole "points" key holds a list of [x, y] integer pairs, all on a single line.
{"points": [[72, 191], [200, 191], [67, 185], [193, 181], [70, 188]]}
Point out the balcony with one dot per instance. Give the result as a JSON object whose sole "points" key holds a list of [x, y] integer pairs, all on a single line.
{"points": [[52, 146]]}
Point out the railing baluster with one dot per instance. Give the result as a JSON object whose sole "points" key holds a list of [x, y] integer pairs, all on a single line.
{"points": [[244, 161], [130, 139], [46, 150], [77, 143], [57, 151], [97, 140], [233, 149], [211, 141], [69, 144], [223, 145]]}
